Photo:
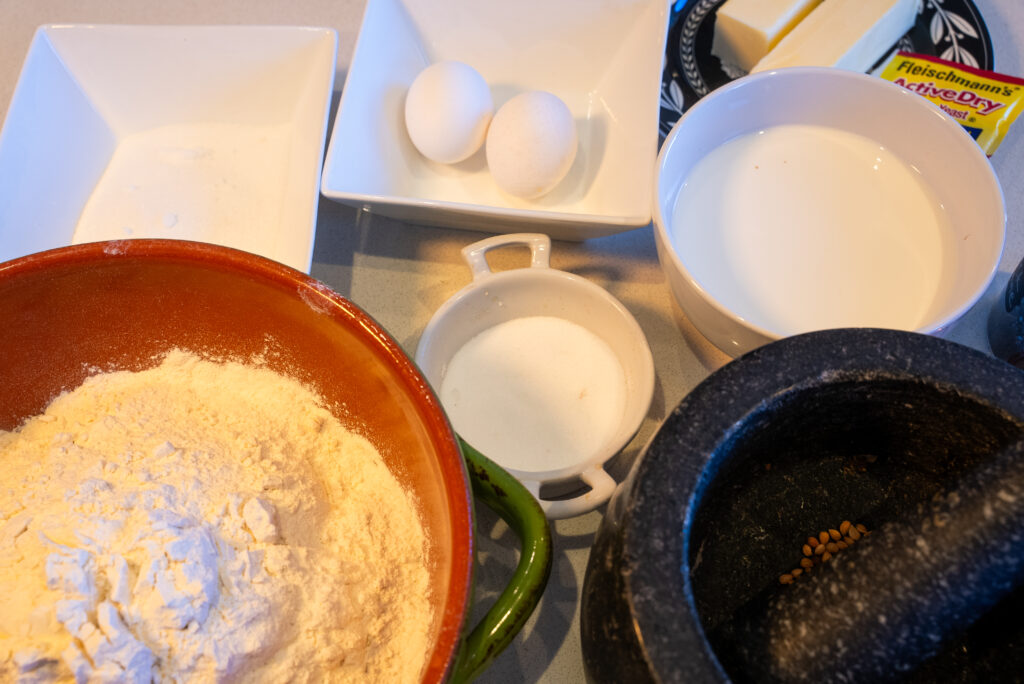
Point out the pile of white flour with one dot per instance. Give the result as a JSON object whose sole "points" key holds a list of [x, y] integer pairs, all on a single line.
{"points": [[204, 521]]}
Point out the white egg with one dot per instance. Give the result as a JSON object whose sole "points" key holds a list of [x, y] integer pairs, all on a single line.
{"points": [[447, 110], [531, 144]]}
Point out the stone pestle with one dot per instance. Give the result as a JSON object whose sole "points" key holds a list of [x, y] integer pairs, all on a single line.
{"points": [[881, 608]]}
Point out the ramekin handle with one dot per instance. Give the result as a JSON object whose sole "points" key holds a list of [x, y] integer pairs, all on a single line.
{"points": [[475, 254], [602, 486]]}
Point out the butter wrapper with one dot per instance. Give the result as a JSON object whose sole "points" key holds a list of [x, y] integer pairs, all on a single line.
{"points": [[983, 102]]}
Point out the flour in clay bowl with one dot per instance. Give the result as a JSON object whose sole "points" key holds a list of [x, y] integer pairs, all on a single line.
{"points": [[205, 521]]}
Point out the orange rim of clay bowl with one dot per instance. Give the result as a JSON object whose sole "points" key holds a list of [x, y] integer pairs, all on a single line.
{"points": [[120, 305]]}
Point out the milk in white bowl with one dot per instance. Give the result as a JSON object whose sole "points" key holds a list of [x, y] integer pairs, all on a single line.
{"points": [[811, 198], [798, 227]]}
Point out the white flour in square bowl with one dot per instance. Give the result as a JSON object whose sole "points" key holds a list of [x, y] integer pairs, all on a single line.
{"points": [[205, 521]]}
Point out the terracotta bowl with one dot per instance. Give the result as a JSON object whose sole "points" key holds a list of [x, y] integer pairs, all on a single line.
{"points": [[118, 305]]}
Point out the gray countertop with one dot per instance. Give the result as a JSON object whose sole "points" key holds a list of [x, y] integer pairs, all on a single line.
{"points": [[400, 273]]}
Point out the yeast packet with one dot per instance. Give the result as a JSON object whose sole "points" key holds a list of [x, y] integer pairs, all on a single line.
{"points": [[983, 102]]}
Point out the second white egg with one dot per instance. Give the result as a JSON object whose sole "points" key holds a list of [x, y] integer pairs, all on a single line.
{"points": [[531, 144], [447, 111]]}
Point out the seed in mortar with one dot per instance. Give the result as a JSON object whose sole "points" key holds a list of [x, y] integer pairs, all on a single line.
{"points": [[821, 548], [835, 534], [796, 572], [786, 579]]}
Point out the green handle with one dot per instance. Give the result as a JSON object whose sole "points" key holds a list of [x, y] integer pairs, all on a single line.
{"points": [[508, 498]]}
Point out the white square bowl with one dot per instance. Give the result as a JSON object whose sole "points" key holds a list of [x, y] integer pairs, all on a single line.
{"points": [[604, 59], [209, 133]]}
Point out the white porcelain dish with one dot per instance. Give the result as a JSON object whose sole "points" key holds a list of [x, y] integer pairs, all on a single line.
{"points": [[209, 133], [603, 59], [495, 298], [899, 126]]}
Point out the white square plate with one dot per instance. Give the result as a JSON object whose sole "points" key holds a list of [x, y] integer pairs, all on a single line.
{"points": [[209, 133], [604, 59]]}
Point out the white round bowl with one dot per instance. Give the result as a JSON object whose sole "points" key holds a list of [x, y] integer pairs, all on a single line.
{"points": [[945, 158], [493, 298]]}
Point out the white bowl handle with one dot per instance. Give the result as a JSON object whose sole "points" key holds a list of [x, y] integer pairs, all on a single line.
{"points": [[602, 486], [539, 244]]}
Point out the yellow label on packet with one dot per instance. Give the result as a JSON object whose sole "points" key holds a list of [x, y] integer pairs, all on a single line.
{"points": [[983, 102]]}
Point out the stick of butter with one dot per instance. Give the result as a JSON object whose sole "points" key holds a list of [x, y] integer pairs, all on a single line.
{"points": [[746, 30], [848, 34]]}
